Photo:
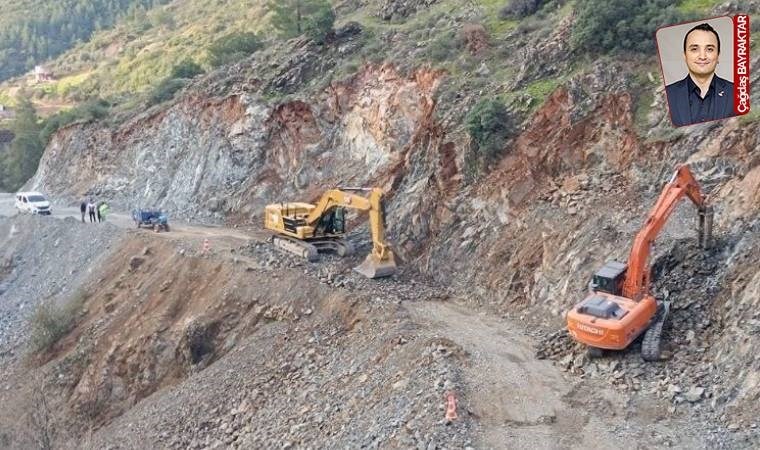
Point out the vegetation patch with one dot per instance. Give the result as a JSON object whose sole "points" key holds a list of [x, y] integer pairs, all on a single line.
{"points": [[610, 26], [697, 6], [751, 117], [93, 109], [232, 48], [489, 126], [541, 89], [51, 322]]}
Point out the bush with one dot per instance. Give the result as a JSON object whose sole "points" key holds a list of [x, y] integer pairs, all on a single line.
{"points": [[233, 48], [620, 25], [165, 90], [489, 126], [444, 47], [50, 322], [520, 8], [319, 25], [187, 68]]}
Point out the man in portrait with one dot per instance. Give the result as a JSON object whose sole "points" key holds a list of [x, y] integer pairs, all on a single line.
{"points": [[702, 95]]}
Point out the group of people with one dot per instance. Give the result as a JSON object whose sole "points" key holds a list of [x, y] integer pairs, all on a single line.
{"points": [[96, 211]]}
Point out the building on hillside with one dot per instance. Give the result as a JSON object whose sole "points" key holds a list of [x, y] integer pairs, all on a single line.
{"points": [[42, 74]]}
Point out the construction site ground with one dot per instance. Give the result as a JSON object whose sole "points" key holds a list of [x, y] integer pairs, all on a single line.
{"points": [[242, 346]]}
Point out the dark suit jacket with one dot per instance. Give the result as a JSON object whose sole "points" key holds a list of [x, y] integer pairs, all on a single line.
{"points": [[678, 101]]}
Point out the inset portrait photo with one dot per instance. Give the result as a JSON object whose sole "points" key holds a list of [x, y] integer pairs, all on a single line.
{"points": [[697, 60]]}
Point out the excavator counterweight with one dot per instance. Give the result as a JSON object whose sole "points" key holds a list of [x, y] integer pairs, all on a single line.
{"points": [[620, 307], [306, 229]]}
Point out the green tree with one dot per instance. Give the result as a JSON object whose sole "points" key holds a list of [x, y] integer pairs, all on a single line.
{"points": [[620, 25], [489, 125], [232, 48], [320, 24], [293, 18]]}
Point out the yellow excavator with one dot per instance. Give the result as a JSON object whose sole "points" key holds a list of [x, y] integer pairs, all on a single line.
{"points": [[306, 230]]}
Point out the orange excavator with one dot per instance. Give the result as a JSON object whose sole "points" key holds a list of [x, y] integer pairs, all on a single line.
{"points": [[620, 306]]}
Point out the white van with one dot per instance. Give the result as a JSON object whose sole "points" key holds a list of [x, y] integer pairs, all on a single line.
{"points": [[33, 202]]}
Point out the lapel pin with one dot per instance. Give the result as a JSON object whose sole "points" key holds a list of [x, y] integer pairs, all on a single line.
{"points": [[720, 94]]}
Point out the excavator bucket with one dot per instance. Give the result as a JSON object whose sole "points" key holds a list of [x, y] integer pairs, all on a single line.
{"points": [[374, 267]]}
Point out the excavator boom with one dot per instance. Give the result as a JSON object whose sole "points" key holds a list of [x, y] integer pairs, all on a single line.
{"points": [[682, 184]]}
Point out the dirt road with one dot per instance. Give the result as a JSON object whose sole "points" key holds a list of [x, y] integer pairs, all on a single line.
{"points": [[521, 402], [222, 238]]}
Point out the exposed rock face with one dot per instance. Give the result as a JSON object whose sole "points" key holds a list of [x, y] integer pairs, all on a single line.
{"points": [[211, 157]]}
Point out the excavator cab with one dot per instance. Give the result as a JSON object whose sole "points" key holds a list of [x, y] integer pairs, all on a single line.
{"points": [[609, 278], [333, 222]]}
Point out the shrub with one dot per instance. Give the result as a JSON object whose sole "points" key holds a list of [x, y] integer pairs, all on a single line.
{"points": [[233, 48], [165, 90], [51, 322], [187, 68], [489, 125], [444, 47], [620, 25]]}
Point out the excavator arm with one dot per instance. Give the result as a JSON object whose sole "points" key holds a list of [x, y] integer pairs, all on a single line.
{"points": [[682, 184], [380, 262]]}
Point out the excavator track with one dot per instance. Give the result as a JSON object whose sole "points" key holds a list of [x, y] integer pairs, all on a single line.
{"points": [[651, 348], [310, 249]]}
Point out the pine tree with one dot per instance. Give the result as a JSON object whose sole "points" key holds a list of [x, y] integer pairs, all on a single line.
{"points": [[26, 148]]}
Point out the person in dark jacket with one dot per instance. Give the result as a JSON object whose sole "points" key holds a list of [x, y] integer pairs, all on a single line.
{"points": [[83, 209], [702, 95]]}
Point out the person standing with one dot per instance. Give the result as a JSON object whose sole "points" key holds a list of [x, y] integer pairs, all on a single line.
{"points": [[91, 210], [97, 210], [83, 209], [102, 211]]}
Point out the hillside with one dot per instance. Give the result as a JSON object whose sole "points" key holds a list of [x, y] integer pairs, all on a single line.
{"points": [[141, 48], [518, 154], [34, 31]]}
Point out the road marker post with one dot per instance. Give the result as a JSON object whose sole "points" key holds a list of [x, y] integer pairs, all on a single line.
{"points": [[451, 407]]}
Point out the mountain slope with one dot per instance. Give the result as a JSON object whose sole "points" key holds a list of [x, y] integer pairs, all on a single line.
{"points": [[210, 357]]}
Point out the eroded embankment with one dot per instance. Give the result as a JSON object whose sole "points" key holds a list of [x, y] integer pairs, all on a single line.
{"points": [[185, 350]]}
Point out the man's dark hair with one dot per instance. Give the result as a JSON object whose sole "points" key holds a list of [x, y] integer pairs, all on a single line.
{"points": [[703, 27]]}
